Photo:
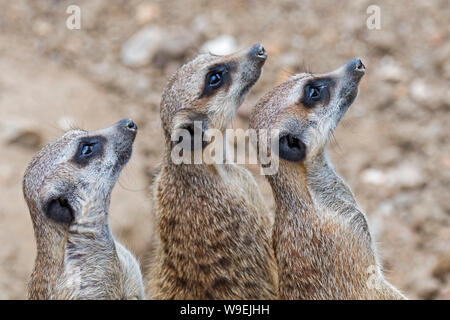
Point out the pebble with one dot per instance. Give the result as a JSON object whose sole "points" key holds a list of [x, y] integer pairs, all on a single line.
{"points": [[419, 91], [21, 133], [374, 176], [390, 70], [142, 46], [404, 175], [222, 45], [152, 44]]}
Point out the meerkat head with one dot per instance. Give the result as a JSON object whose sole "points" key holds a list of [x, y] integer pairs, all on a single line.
{"points": [[209, 89], [307, 108], [69, 182]]}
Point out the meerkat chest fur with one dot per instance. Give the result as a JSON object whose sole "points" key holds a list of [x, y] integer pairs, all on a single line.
{"points": [[213, 241]]}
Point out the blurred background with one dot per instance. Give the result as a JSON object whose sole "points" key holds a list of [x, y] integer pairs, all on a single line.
{"points": [[392, 147]]}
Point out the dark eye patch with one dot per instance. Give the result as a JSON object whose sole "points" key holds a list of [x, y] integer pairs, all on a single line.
{"points": [[218, 76], [88, 148], [317, 91]]}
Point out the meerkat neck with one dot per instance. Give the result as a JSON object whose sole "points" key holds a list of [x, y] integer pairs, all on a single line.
{"points": [[321, 254], [65, 253], [330, 191], [48, 266], [294, 220], [309, 238]]}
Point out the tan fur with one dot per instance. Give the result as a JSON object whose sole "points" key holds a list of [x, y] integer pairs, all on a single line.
{"points": [[80, 259], [213, 233], [321, 238]]}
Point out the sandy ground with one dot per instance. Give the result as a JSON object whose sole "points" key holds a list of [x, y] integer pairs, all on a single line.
{"points": [[392, 146]]}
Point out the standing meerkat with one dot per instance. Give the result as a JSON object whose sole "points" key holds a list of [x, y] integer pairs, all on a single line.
{"points": [[213, 235], [67, 187], [321, 237]]}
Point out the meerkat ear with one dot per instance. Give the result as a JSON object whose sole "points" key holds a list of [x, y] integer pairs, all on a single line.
{"points": [[59, 210], [291, 148], [196, 131]]}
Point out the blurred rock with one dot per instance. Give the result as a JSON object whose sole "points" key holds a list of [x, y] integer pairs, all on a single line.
{"points": [[384, 209], [442, 269], [427, 290], [142, 46], [374, 176], [420, 91], [175, 47], [21, 133], [390, 70], [27, 138], [222, 45], [152, 44], [404, 175]]}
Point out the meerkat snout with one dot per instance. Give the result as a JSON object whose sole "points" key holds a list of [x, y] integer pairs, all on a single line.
{"points": [[360, 65], [260, 51], [67, 187]]}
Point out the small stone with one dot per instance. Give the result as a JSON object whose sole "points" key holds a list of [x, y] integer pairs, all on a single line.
{"points": [[419, 91], [174, 47], [26, 138], [390, 71], [385, 208], [374, 176], [142, 46], [406, 176], [222, 45], [442, 269], [21, 133]]}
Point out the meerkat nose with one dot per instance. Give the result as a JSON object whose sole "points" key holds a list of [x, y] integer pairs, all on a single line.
{"points": [[259, 52], [359, 65], [129, 124]]}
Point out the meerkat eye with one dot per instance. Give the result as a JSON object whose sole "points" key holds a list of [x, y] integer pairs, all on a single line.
{"points": [[218, 76], [314, 93], [214, 79], [89, 148], [86, 149], [317, 92]]}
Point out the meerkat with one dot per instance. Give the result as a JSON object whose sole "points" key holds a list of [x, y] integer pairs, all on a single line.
{"points": [[67, 187], [213, 238], [321, 238]]}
